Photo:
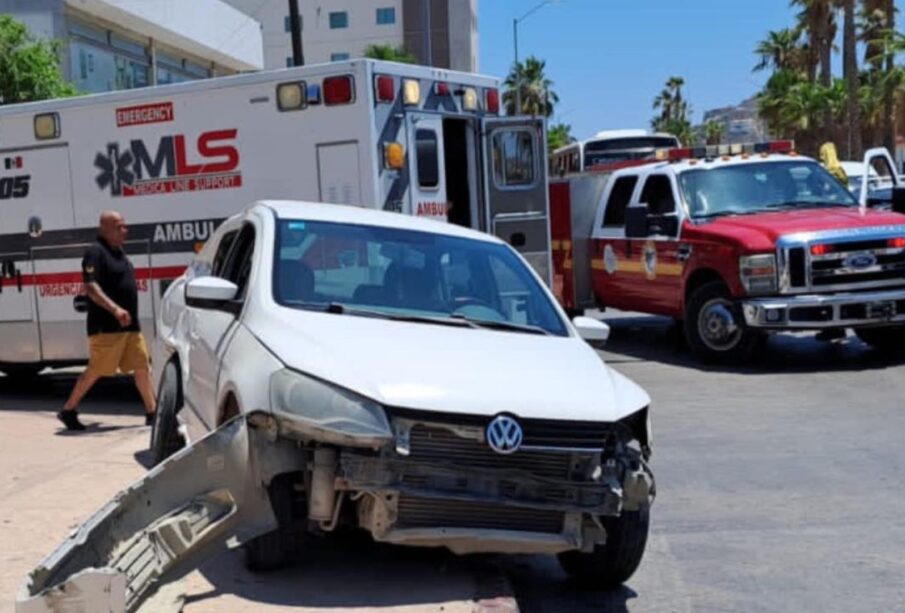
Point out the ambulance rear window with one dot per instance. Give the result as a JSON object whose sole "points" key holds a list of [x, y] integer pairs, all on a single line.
{"points": [[428, 160]]}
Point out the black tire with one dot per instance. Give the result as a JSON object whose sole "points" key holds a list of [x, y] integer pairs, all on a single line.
{"points": [[886, 339], [165, 437], [703, 333], [274, 550], [611, 564]]}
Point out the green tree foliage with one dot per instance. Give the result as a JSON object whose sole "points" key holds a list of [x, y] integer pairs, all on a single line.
{"points": [[536, 90], [714, 132], [558, 135], [29, 66], [390, 53], [675, 113]]}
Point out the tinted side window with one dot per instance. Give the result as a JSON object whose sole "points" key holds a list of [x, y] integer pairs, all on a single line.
{"points": [[222, 251], [658, 195], [428, 161], [238, 264], [513, 158], [620, 196]]}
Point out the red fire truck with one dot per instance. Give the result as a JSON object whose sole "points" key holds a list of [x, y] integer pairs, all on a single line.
{"points": [[734, 242]]}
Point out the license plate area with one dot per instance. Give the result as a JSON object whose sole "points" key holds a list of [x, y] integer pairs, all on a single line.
{"points": [[885, 309]]}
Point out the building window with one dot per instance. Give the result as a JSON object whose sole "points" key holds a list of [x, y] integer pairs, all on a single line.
{"points": [[287, 23], [338, 20], [289, 62], [386, 16], [101, 69], [338, 57]]}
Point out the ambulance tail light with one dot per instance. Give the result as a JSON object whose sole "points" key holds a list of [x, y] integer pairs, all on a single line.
{"points": [[339, 90], [411, 92], [492, 101], [442, 88], [292, 96], [393, 156], [384, 88], [469, 99]]}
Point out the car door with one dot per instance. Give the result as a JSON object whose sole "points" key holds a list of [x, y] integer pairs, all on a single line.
{"points": [[660, 268], [209, 329]]}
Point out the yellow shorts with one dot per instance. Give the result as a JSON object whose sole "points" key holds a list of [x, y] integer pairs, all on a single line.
{"points": [[125, 351]]}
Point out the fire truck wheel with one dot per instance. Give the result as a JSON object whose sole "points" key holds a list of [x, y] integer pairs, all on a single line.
{"points": [[886, 339], [165, 437], [715, 328], [611, 564]]}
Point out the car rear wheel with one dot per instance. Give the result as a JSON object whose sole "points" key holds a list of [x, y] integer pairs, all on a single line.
{"points": [[887, 339], [611, 564], [715, 328], [165, 437]]}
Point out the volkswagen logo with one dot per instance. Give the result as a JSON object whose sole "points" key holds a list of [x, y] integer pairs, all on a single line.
{"points": [[860, 260], [504, 434]]}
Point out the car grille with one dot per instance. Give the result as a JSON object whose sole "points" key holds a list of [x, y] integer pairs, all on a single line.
{"points": [[832, 272], [416, 512]]}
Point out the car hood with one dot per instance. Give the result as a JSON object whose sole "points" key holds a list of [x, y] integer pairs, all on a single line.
{"points": [[762, 230], [450, 369]]}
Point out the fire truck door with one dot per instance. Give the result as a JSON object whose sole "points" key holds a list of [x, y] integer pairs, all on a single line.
{"points": [[58, 283], [658, 254], [427, 166], [515, 187]]}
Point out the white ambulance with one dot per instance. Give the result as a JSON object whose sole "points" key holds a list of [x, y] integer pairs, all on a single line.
{"points": [[176, 160]]}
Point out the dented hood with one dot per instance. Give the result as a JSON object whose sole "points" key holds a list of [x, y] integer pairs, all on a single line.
{"points": [[450, 369]]}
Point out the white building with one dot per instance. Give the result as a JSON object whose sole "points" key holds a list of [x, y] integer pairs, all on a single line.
{"points": [[334, 30], [121, 44]]}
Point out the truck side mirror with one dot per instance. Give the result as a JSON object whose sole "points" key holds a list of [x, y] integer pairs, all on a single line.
{"points": [[898, 199], [636, 221], [667, 225]]}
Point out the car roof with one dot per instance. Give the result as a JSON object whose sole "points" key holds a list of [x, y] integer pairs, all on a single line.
{"points": [[347, 214]]}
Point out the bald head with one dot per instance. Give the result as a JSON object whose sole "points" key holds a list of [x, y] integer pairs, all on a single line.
{"points": [[112, 228]]}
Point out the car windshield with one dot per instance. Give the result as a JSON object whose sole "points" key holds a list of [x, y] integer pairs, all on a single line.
{"points": [[739, 189], [420, 276]]}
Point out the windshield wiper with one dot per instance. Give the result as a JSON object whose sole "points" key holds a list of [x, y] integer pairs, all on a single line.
{"points": [[501, 325], [342, 309], [792, 204]]}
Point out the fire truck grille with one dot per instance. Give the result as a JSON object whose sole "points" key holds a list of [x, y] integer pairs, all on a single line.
{"points": [[415, 512], [878, 265], [438, 445]]}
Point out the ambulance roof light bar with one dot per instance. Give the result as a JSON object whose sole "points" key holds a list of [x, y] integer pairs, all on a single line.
{"points": [[675, 154]]}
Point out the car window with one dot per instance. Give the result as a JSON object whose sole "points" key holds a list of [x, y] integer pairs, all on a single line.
{"points": [[657, 194], [620, 196], [407, 272], [222, 251], [238, 263]]}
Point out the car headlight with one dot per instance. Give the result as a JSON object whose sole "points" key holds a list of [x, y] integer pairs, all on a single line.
{"points": [[640, 426], [758, 273], [327, 413]]}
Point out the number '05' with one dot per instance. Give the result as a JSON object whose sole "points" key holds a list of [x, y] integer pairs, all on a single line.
{"points": [[14, 187]]}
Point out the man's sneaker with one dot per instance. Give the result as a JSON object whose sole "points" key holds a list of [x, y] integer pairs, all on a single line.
{"points": [[70, 419], [149, 419]]}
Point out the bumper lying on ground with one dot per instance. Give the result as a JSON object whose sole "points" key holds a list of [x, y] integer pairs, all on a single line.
{"points": [[808, 312]]}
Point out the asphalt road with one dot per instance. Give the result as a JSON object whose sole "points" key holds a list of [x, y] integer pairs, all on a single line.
{"points": [[779, 489]]}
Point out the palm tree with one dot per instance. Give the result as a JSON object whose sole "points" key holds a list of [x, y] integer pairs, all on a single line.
{"points": [[817, 20], [535, 89], [389, 53], [714, 132], [674, 111], [559, 135], [780, 50], [852, 80]]}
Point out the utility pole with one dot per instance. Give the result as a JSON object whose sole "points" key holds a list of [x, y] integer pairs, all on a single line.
{"points": [[295, 28], [518, 84], [426, 18]]}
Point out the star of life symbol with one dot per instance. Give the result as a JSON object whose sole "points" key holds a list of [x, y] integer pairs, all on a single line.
{"points": [[504, 434], [115, 169]]}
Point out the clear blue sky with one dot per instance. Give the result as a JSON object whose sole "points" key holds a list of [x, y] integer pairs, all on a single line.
{"points": [[608, 59]]}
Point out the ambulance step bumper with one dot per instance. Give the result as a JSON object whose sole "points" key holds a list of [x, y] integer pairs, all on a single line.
{"points": [[826, 311]]}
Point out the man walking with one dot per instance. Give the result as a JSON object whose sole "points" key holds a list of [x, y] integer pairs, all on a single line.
{"points": [[115, 341]]}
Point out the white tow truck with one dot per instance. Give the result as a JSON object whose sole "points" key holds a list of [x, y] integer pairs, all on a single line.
{"points": [[176, 160]]}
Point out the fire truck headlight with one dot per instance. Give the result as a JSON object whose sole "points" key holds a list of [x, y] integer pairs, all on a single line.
{"points": [[393, 156], [758, 273], [292, 96], [325, 411]]}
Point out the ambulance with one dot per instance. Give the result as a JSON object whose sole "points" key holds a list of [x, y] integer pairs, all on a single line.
{"points": [[178, 159]]}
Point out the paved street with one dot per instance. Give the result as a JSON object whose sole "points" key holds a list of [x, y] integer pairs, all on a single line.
{"points": [[779, 490]]}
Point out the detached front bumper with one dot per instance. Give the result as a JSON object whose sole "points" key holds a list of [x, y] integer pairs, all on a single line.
{"points": [[814, 311]]}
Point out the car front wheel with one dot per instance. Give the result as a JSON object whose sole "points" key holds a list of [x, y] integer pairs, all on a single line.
{"points": [[611, 564], [165, 437]]}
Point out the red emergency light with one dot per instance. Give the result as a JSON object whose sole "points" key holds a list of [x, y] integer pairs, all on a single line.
{"points": [[339, 90], [897, 242], [821, 249], [442, 88], [385, 88], [724, 151], [492, 101]]}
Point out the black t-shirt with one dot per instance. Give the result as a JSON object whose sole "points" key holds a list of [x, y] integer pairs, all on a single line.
{"points": [[113, 272]]}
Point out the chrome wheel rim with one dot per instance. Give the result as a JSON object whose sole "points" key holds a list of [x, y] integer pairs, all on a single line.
{"points": [[717, 325]]}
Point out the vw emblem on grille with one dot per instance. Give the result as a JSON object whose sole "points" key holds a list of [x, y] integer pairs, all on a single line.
{"points": [[860, 260], [504, 434]]}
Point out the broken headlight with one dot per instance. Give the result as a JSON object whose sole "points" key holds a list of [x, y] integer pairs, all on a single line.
{"points": [[639, 424], [325, 412]]}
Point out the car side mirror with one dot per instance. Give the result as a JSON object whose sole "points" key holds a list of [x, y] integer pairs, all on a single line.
{"points": [[593, 331], [898, 199], [636, 221], [211, 293]]}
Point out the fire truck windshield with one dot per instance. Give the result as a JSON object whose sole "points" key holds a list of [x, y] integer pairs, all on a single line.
{"points": [[739, 189], [414, 276]]}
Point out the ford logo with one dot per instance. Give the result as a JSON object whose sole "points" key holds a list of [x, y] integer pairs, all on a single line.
{"points": [[860, 260]]}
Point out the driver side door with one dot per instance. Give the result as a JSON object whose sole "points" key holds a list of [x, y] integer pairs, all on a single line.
{"points": [[660, 267]]}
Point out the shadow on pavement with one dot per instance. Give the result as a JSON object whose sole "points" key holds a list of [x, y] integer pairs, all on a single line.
{"points": [[343, 572], [49, 391], [659, 339]]}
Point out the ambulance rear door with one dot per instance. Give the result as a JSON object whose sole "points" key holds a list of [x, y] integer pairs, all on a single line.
{"points": [[427, 191], [515, 187]]}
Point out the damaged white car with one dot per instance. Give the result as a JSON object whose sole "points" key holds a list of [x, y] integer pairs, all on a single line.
{"points": [[323, 365]]}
